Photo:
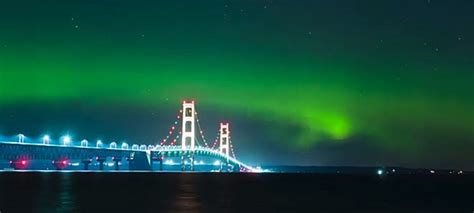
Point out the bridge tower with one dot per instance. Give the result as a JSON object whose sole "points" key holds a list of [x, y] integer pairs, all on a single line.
{"points": [[224, 139], [188, 128]]}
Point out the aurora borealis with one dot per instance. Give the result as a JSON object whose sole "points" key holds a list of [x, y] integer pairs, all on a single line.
{"points": [[302, 82]]}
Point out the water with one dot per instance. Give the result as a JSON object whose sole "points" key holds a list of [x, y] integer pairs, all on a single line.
{"points": [[214, 192]]}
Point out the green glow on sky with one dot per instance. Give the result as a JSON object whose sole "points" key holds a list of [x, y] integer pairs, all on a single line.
{"points": [[328, 106], [333, 83]]}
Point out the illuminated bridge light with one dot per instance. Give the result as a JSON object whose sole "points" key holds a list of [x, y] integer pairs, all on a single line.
{"points": [[124, 146], [99, 144], [380, 172], [113, 145], [66, 140], [84, 143], [46, 139], [135, 147], [143, 147], [151, 147], [21, 138]]}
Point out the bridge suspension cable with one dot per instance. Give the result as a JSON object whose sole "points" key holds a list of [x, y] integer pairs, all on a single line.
{"points": [[232, 149], [216, 141], [171, 129], [201, 132], [173, 143]]}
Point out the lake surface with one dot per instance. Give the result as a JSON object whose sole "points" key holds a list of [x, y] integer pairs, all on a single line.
{"points": [[226, 192]]}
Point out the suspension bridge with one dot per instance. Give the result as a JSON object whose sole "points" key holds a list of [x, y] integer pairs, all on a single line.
{"points": [[185, 141]]}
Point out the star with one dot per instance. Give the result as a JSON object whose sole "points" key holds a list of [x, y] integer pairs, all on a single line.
{"points": [[77, 26]]}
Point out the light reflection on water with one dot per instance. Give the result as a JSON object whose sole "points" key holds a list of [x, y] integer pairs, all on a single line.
{"points": [[65, 202], [54, 193], [186, 195]]}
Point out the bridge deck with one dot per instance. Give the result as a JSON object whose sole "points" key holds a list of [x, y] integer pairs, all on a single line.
{"points": [[15, 150]]}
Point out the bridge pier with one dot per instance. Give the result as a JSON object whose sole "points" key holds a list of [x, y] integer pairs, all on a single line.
{"points": [[116, 162], [221, 168], [183, 165], [161, 163], [101, 161], [158, 157], [236, 168], [86, 163], [129, 160], [189, 157]]}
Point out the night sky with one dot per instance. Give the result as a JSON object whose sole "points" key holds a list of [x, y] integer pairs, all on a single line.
{"points": [[306, 82]]}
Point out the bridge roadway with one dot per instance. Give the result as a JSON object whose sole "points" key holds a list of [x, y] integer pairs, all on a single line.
{"points": [[140, 159]]}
